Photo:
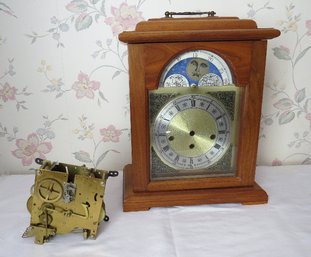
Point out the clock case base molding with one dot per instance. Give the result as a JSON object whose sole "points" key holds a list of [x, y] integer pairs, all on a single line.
{"points": [[143, 201]]}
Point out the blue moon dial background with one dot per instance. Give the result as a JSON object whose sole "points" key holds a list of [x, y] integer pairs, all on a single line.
{"points": [[181, 68]]}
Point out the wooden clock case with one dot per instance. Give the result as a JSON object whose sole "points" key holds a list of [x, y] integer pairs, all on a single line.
{"points": [[151, 47]]}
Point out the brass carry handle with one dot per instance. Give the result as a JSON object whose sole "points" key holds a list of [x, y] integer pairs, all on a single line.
{"points": [[170, 14]]}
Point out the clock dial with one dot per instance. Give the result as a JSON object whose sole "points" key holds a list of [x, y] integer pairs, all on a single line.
{"points": [[210, 79], [199, 67], [176, 80], [191, 132]]}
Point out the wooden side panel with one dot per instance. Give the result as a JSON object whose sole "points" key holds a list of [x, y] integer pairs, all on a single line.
{"points": [[139, 108], [250, 118]]}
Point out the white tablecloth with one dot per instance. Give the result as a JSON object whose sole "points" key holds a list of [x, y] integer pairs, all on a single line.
{"points": [[281, 228]]}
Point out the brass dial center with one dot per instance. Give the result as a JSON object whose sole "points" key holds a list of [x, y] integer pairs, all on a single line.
{"points": [[192, 132]]}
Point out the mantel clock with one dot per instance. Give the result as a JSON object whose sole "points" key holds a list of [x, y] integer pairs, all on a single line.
{"points": [[195, 97]]}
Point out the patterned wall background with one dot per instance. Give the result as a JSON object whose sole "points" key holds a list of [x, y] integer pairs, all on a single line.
{"points": [[64, 79]]}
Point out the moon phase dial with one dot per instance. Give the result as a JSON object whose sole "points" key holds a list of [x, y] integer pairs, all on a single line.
{"points": [[198, 67], [191, 132]]}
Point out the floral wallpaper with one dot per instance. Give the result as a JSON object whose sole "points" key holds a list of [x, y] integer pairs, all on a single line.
{"points": [[64, 79]]}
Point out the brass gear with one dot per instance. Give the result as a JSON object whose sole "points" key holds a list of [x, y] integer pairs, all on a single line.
{"points": [[29, 204], [50, 190]]}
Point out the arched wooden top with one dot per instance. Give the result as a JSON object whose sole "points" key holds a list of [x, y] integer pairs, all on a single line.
{"points": [[196, 30]]}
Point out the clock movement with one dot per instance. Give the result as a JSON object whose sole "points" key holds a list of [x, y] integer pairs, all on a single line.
{"points": [[195, 98]]}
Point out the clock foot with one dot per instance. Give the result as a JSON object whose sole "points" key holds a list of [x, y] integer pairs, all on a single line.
{"points": [[143, 201], [253, 203]]}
